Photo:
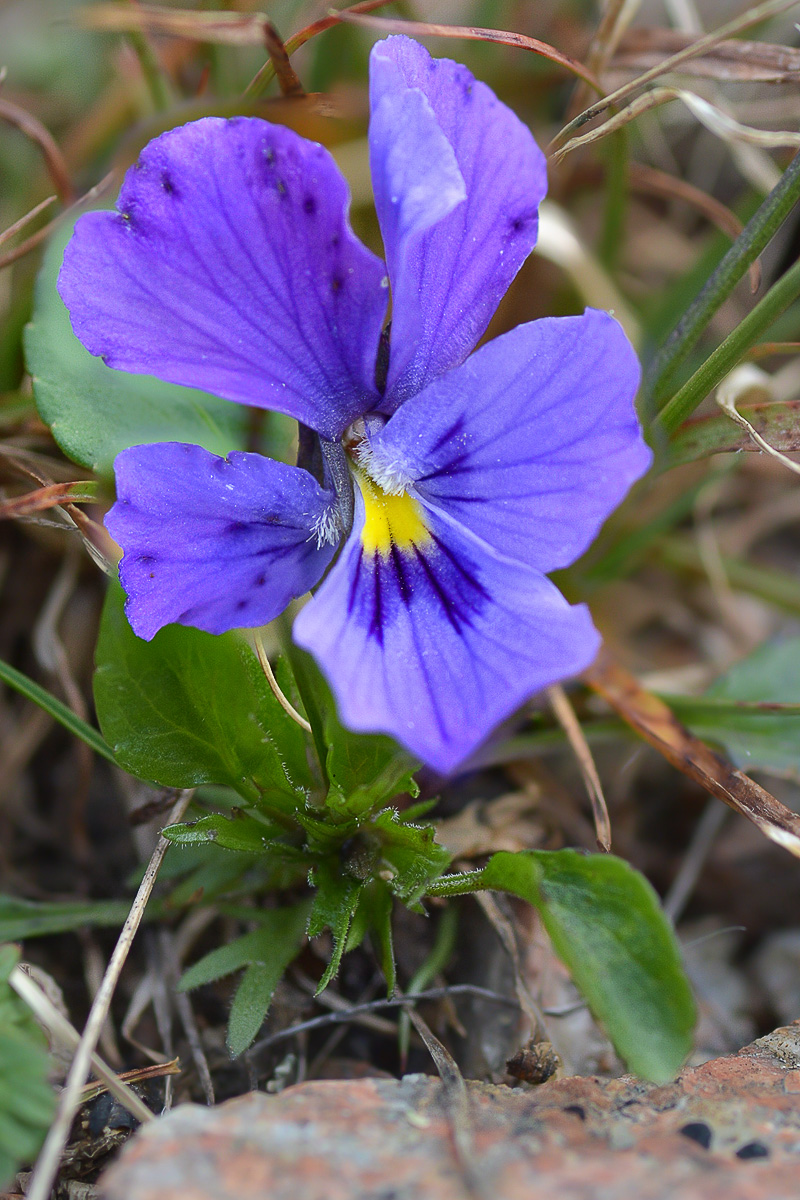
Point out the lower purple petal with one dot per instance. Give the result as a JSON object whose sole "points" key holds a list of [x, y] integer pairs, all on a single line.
{"points": [[436, 643], [217, 543]]}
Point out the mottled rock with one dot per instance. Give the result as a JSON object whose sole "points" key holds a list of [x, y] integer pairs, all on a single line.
{"points": [[726, 1130]]}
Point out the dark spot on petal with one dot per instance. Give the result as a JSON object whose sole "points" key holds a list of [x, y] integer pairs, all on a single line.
{"points": [[309, 205], [522, 221], [145, 559], [280, 188], [753, 1150], [166, 183], [697, 1131], [240, 604], [236, 527], [269, 155], [577, 1110], [336, 284], [261, 580], [335, 242]]}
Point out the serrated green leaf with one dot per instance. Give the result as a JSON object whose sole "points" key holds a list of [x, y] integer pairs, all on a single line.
{"points": [[190, 708], [335, 901], [237, 832], [254, 994], [753, 710], [250, 1006], [94, 411], [279, 934], [381, 905], [365, 771], [412, 853], [27, 1102], [606, 925]]}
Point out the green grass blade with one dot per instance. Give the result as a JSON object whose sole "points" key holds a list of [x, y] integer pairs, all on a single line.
{"points": [[65, 716]]}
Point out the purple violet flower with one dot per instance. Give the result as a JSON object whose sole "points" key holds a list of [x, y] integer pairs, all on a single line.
{"points": [[450, 481]]}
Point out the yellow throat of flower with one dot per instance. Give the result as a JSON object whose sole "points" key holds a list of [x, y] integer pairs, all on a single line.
{"points": [[390, 520]]}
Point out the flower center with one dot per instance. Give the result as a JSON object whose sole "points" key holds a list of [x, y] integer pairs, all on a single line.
{"points": [[390, 520]]}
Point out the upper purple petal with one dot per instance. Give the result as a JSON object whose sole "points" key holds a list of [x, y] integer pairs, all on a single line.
{"points": [[532, 442], [448, 270], [217, 543], [230, 266], [437, 643]]}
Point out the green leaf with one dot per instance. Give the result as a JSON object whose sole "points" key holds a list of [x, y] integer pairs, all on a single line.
{"points": [[335, 901], [778, 423], [753, 710], [266, 953], [411, 853], [190, 708], [365, 770], [381, 906], [251, 1004], [277, 927], [27, 1102], [94, 411], [240, 832], [21, 919], [606, 925]]}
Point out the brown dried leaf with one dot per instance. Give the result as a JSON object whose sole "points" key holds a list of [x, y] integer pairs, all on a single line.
{"points": [[654, 721]]}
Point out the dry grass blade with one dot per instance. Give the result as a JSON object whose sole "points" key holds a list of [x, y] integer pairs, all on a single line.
{"points": [[61, 1031], [566, 718], [277, 692], [617, 15], [473, 33], [727, 61], [217, 28], [761, 12], [80, 492], [654, 721], [47, 1164], [652, 182], [709, 115], [264, 75], [287, 77], [14, 229], [33, 128], [42, 234], [456, 1100]]}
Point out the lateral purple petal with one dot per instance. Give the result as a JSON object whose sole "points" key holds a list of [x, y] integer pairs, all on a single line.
{"points": [[448, 270], [212, 542], [230, 266], [437, 644], [532, 442]]}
